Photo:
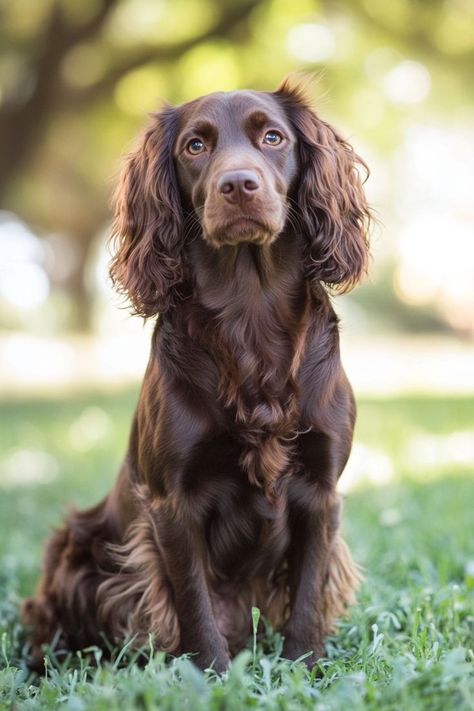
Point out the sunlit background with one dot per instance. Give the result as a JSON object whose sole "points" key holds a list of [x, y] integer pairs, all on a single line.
{"points": [[76, 82]]}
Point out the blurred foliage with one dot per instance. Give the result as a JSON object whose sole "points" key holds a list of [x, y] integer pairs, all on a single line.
{"points": [[77, 78], [389, 313]]}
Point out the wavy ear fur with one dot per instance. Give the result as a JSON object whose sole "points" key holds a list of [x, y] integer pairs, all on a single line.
{"points": [[147, 231], [331, 202]]}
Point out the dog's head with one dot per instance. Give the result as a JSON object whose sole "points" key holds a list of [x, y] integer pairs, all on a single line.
{"points": [[242, 166], [235, 155]]}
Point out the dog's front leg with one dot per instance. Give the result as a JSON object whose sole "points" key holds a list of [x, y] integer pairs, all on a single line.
{"points": [[182, 551], [168, 444], [313, 524]]}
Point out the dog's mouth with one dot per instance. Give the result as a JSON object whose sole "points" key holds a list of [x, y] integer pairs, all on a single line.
{"points": [[243, 229], [246, 223], [235, 229]]}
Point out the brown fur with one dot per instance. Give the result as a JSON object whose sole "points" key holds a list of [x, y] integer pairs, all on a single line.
{"points": [[226, 498]]}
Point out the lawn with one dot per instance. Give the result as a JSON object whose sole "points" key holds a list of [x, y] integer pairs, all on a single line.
{"points": [[408, 642]]}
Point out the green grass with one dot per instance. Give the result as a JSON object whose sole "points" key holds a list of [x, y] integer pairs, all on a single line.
{"points": [[407, 644]]}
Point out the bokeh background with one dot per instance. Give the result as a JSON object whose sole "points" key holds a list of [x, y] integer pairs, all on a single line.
{"points": [[77, 78], [76, 82]]}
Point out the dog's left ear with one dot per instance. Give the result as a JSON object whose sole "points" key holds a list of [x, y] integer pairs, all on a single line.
{"points": [[331, 201]]}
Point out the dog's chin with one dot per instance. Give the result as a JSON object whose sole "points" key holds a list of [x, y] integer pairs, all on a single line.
{"points": [[241, 230]]}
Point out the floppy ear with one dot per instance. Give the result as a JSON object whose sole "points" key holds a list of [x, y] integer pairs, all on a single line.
{"points": [[147, 232], [331, 203]]}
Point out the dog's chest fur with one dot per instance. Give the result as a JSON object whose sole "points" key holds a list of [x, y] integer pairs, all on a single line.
{"points": [[256, 314], [256, 305]]}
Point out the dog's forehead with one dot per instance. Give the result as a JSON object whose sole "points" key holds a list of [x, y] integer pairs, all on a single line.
{"points": [[234, 105]]}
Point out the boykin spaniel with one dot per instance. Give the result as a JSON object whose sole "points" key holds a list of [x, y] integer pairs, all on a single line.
{"points": [[235, 215]]}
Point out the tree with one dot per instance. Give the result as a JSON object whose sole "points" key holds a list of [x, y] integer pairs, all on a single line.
{"points": [[70, 73], [34, 106]]}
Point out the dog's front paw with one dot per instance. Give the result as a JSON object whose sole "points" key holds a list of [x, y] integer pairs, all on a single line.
{"points": [[218, 661], [213, 654], [295, 647]]}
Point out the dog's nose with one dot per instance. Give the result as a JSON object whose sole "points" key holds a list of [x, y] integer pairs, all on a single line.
{"points": [[238, 185]]}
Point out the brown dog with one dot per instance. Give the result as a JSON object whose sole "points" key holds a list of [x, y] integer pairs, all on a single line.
{"points": [[232, 213]]}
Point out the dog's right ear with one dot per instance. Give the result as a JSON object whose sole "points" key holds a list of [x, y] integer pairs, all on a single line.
{"points": [[148, 229]]}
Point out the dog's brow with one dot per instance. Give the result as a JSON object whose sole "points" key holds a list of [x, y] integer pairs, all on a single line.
{"points": [[203, 127], [256, 119]]}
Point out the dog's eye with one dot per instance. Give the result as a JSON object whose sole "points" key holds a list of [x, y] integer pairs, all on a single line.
{"points": [[195, 146], [272, 138]]}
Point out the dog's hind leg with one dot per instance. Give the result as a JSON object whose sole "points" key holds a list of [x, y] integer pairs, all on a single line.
{"points": [[63, 608]]}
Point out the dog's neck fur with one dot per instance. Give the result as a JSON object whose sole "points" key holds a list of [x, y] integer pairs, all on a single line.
{"points": [[245, 278], [254, 297], [252, 304]]}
